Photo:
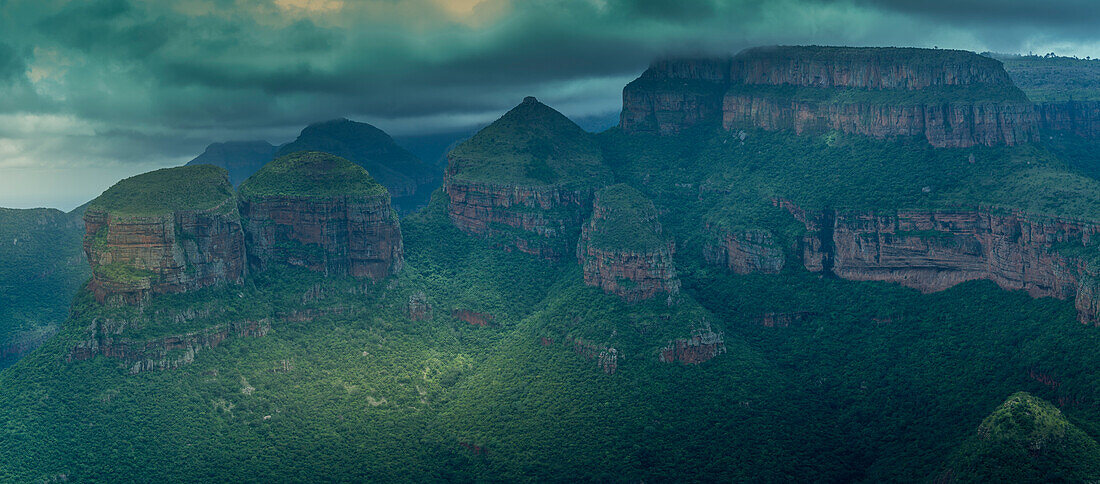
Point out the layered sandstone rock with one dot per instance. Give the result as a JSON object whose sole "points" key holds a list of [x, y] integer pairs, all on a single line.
{"points": [[525, 181], [160, 353], [1081, 118], [622, 248], [166, 231], [935, 250], [322, 212], [674, 94], [943, 124], [951, 98], [745, 251]]}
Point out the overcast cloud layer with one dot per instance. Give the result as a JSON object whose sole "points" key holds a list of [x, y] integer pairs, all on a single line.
{"points": [[94, 91]]}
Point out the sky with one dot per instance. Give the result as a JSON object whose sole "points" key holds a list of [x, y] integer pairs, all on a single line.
{"points": [[94, 91]]}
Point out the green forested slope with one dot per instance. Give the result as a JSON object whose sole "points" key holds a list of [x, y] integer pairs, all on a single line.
{"points": [[880, 383], [41, 268], [863, 382]]}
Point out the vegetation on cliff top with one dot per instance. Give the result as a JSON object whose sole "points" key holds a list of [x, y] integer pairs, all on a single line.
{"points": [[1053, 78], [311, 174], [168, 190], [531, 145], [629, 221], [1026, 439], [843, 55]]}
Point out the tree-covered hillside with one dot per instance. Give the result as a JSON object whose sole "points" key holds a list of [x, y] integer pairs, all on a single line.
{"points": [[476, 363], [41, 268], [874, 382]]}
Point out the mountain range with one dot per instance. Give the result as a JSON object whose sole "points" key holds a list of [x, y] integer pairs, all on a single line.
{"points": [[789, 264]]}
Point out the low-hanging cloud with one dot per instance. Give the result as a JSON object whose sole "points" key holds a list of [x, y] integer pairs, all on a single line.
{"points": [[148, 83]]}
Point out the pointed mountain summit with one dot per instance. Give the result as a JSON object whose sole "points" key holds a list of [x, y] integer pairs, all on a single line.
{"points": [[367, 146], [1026, 440], [240, 158], [322, 212], [526, 181], [531, 145]]}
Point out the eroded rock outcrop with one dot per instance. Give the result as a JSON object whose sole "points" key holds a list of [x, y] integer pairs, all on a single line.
{"points": [[419, 308], [525, 182], [164, 353], [606, 357], [703, 345], [166, 231], [745, 251], [622, 248], [321, 212], [951, 98], [473, 318], [934, 250]]}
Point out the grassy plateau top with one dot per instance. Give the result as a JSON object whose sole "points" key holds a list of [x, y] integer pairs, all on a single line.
{"points": [[311, 174], [164, 191]]}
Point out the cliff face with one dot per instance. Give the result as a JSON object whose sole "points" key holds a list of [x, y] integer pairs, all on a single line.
{"points": [[622, 248], [135, 256], [935, 250], [166, 231], [1081, 118], [865, 67], [951, 98], [945, 125], [535, 220], [745, 252], [321, 212], [340, 235], [526, 181]]}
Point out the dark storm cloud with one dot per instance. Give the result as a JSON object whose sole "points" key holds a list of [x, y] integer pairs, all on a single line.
{"points": [[110, 27], [11, 64], [146, 82], [1060, 13], [665, 10]]}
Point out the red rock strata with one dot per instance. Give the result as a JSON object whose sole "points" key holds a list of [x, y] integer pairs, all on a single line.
{"points": [[172, 253], [934, 250], [971, 99], [341, 235]]}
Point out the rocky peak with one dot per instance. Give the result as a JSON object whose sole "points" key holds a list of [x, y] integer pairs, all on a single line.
{"points": [[526, 179], [170, 230], [322, 212]]}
